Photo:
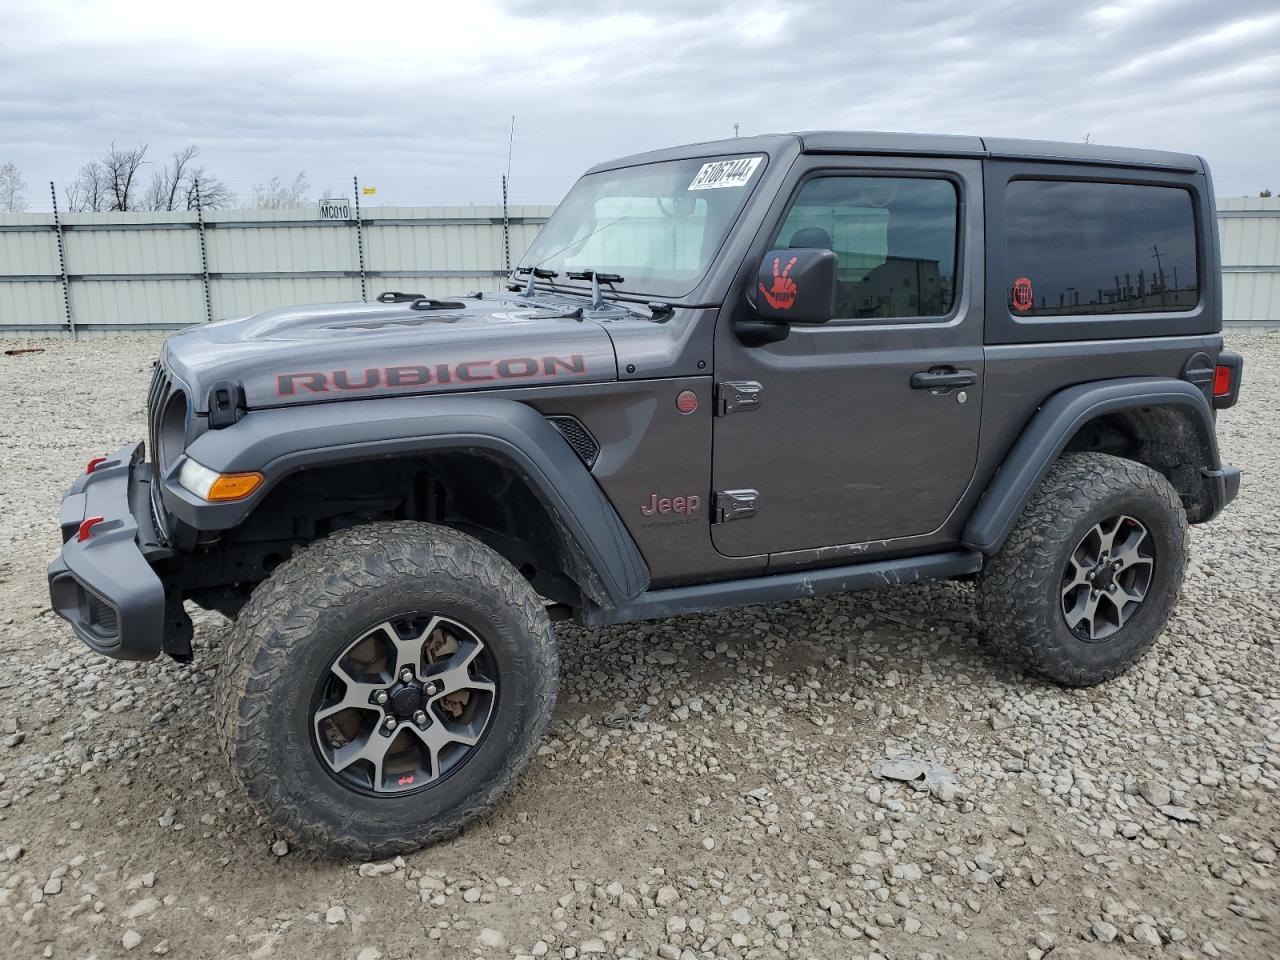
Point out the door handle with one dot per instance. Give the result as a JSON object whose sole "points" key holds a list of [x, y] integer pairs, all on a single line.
{"points": [[942, 378]]}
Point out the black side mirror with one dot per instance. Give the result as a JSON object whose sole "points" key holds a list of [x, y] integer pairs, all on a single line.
{"points": [[796, 286]]}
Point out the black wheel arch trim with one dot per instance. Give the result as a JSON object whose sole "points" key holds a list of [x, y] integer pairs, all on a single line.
{"points": [[281, 441], [1056, 422]]}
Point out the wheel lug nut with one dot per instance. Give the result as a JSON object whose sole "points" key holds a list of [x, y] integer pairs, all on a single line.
{"points": [[431, 689], [381, 696], [406, 675], [389, 723], [420, 718]]}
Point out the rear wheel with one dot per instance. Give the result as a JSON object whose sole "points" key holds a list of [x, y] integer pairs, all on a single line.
{"points": [[384, 687], [1091, 572]]}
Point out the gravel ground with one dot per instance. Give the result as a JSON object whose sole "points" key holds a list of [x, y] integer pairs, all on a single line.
{"points": [[737, 812]]}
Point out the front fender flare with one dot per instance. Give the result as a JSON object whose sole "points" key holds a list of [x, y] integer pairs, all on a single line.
{"points": [[281, 441], [1053, 426]]}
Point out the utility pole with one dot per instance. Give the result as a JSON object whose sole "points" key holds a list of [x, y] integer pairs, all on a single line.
{"points": [[62, 262], [204, 254], [364, 283]]}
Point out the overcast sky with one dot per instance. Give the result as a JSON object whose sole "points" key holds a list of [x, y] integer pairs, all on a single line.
{"points": [[417, 98]]}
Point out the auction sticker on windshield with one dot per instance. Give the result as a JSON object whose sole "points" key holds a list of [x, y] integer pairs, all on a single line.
{"points": [[725, 173]]}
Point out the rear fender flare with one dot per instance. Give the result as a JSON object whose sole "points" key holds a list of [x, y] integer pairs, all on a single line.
{"points": [[281, 441], [1051, 429]]}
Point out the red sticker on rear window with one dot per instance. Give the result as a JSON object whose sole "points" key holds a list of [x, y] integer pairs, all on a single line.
{"points": [[1022, 295]]}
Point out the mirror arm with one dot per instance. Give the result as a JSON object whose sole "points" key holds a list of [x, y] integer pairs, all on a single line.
{"points": [[753, 332]]}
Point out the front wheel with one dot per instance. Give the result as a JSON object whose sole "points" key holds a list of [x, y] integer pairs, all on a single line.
{"points": [[1091, 572], [384, 687]]}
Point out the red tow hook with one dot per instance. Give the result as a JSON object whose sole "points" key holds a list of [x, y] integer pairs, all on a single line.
{"points": [[93, 465], [86, 527]]}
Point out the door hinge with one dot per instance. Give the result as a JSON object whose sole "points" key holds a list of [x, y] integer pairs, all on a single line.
{"points": [[737, 396], [734, 505]]}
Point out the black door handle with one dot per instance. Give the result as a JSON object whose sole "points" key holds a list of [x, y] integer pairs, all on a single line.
{"points": [[942, 378]]}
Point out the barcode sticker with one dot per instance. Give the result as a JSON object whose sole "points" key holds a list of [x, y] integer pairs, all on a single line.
{"points": [[725, 173]]}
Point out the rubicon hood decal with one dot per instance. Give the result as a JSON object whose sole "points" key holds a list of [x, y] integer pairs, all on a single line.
{"points": [[404, 377], [352, 350]]}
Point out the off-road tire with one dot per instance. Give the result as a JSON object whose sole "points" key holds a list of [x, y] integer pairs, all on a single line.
{"points": [[1020, 588], [317, 601]]}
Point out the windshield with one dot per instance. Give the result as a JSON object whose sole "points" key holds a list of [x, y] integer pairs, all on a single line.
{"points": [[658, 226]]}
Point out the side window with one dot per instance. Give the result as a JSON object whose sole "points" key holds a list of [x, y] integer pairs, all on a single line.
{"points": [[894, 240], [1087, 248]]}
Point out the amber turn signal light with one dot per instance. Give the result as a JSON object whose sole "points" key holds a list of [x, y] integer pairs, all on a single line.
{"points": [[234, 486], [217, 487]]}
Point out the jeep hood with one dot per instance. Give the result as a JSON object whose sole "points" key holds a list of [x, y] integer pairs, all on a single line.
{"points": [[349, 350]]}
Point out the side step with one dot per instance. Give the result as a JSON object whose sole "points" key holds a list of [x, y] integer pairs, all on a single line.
{"points": [[656, 604]]}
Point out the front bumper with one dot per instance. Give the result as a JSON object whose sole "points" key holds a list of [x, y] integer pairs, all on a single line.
{"points": [[104, 585]]}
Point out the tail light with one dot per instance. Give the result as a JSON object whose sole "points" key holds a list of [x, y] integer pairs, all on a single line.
{"points": [[1226, 379]]}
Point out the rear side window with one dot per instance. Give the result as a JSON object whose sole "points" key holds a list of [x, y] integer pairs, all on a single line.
{"points": [[1087, 248], [894, 240]]}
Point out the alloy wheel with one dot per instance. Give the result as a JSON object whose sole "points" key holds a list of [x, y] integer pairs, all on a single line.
{"points": [[406, 703], [1107, 578]]}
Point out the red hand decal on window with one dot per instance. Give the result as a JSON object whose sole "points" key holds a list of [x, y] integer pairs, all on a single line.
{"points": [[1023, 298], [782, 296]]}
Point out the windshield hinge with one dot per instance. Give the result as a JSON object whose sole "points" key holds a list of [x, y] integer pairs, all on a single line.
{"points": [[734, 505], [737, 396]]}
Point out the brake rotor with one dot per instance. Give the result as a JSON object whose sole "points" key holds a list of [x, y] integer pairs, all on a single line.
{"points": [[440, 646]]}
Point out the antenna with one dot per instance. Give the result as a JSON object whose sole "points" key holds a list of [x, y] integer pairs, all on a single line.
{"points": [[511, 139], [735, 128], [506, 189]]}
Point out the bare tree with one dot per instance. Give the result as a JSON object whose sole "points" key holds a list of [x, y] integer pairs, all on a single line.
{"points": [[275, 195], [122, 166], [175, 186], [88, 193], [109, 183], [213, 193], [165, 192], [11, 188]]}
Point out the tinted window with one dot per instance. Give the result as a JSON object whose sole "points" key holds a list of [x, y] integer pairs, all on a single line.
{"points": [[894, 240], [1091, 248]]}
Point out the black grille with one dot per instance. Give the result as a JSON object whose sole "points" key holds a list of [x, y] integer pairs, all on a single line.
{"points": [[157, 396], [157, 399], [579, 437]]}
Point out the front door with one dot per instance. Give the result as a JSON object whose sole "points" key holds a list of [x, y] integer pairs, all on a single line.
{"points": [[866, 429]]}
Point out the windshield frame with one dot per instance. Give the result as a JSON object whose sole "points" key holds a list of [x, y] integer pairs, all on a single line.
{"points": [[626, 290]]}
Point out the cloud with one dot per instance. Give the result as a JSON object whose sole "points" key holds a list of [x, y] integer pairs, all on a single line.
{"points": [[417, 98]]}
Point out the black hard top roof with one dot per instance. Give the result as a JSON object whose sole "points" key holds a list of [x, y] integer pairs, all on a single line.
{"points": [[923, 145]]}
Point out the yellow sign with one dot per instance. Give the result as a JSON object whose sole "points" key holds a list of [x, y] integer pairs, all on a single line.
{"points": [[368, 191]]}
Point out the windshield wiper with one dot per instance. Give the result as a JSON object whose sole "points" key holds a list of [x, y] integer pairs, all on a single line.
{"points": [[596, 278], [536, 273], [609, 278]]}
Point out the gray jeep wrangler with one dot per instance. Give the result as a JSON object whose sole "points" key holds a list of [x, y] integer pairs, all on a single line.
{"points": [[728, 373]]}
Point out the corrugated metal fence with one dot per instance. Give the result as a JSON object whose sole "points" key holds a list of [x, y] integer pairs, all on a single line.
{"points": [[1249, 229], [158, 271]]}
